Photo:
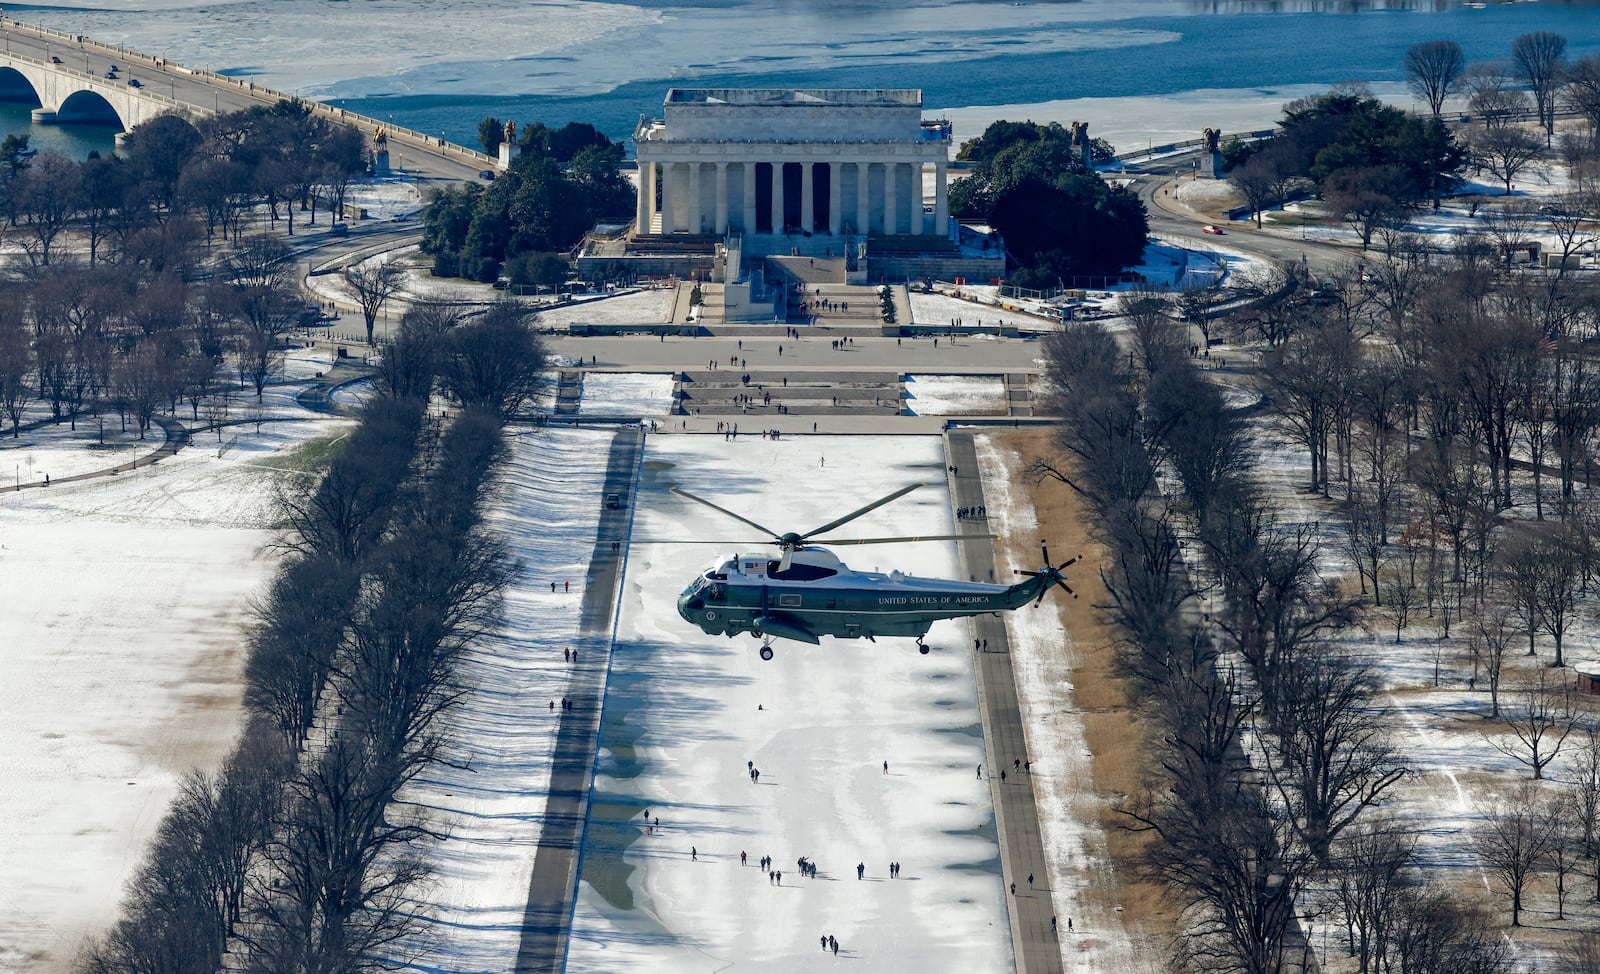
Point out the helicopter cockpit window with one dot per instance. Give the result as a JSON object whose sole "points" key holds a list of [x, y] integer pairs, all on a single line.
{"points": [[797, 572]]}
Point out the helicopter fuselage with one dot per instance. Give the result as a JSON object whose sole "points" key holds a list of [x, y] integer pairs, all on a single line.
{"points": [[818, 595]]}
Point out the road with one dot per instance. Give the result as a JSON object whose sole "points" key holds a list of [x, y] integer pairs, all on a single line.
{"points": [[1170, 220]]}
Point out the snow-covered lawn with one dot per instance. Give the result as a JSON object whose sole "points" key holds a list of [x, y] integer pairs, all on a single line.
{"points": [[121, 636], [685, 712], [546, 508], [626, 394], [955, 395], [650, 306]]}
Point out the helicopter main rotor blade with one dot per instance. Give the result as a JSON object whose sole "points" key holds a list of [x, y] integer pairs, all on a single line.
{"points": [[859, 511], [921, 537], [737, 517]]}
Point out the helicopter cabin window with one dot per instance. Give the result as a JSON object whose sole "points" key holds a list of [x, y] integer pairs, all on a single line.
{"points": [[798, 572], [789, 601]]}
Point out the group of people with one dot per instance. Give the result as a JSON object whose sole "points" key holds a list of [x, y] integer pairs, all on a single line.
{"points": [[829, 943], [972, 513], [566, 704]]}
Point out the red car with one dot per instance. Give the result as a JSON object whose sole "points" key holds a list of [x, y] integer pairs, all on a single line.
{"points": [[1208, 228]]}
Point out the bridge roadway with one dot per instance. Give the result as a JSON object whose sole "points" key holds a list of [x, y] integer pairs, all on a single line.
{"points": [[167, 87]]}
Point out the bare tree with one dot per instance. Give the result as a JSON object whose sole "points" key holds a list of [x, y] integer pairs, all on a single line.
{"points": [[1329, 756], [1431, 932], [1511, 226], [1584, 778], [1541, 714], [1538, 58], [16, 362], [1370, 863], [1514, 839], [375, 282], [1582, 90], [1489, 640], [494, 361], [1570, 218], [1492, 92], [1432, 70], [1505, 151], [44, 198], [1255, 180]]}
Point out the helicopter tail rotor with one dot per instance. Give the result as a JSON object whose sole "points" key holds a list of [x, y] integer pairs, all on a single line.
{"points": [[1054, 573]]}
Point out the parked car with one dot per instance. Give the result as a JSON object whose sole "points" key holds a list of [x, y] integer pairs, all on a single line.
{"points": [[486, 174], [135, 83], [339, 230], [1208, 228]]}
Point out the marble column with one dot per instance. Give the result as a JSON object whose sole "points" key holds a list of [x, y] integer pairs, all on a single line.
{"points": [[916, 197], [777, 197], [646, 202], [696, 223], [669, 197], [808, 198], [835, 200], [749, 197], [722, 198], [863, 211], [941, 201], [890, 224]]}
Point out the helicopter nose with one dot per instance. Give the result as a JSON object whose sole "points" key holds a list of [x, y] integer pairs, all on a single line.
{"points": [[684, 608]]}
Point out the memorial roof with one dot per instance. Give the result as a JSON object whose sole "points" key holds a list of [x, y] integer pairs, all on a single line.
{"points": [[841, 97]]}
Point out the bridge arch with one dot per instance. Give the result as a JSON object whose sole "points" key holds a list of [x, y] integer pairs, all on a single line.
{"points": [[18, 87], [87, 107]]}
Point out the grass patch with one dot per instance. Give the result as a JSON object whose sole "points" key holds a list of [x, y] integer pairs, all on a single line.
{"points": [[312, 456]]}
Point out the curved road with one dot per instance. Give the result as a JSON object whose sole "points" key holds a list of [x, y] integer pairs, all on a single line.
{"points": [[1171, 220]]}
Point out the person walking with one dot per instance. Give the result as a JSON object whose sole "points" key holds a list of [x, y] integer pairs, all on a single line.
{"points": [[885, 767], [861, 869], [824, 939], [1013, 889], [1030, 880], [694, 854], [980, 772], [835, 945], [741, 857]]}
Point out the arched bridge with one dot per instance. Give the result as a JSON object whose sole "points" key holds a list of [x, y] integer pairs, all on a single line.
{"points": [[83, 91], [69, 76]]}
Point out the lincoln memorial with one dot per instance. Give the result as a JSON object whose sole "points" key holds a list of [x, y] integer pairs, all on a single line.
{"points": [[812, 162]]}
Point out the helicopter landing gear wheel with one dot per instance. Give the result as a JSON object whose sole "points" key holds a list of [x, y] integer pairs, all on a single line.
{"points": [[766, 651], [922, 647]]}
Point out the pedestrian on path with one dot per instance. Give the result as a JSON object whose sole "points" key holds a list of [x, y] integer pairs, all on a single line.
{"points": [[566, 586], [824, 939], [694, 854], [1030, 880], [1013, 889], [1002, 776], [741, 857], [885, 767], [861, 869], [1052, 925], [980, 772]]}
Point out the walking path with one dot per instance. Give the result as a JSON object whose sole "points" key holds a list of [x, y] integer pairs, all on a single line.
{"points": [[552, 891], [175, 437], [1016, 812]]}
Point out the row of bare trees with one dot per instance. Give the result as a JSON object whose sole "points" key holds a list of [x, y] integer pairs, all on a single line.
{"points": [[350, 681], [1241, 845]]}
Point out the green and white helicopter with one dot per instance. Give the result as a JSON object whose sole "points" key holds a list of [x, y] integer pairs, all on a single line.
{"points": [[807, 592]]}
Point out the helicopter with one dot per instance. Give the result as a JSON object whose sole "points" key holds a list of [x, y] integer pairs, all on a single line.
{"points": [[807, 592]]}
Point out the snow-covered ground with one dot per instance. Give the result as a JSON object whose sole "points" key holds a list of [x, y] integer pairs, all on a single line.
{"points": [[651, 306], [685, 712], [491, 802], [121, 633], [626, 394], [955, 395]]}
